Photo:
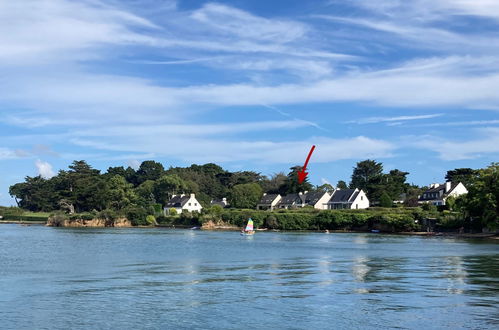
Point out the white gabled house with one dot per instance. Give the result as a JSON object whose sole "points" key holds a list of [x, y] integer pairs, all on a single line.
{"points": [[317, 199], [438, 193], [291, 201], [348, 199], [183, 202], [268, 202]]}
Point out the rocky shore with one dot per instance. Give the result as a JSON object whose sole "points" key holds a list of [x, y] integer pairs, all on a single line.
{"points": [[55, 221]]}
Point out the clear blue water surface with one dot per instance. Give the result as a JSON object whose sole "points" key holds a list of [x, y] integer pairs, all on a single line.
{"points": [[64, 278]]}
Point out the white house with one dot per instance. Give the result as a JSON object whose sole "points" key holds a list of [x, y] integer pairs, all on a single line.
{"points": [[291, 201], [183, 202], [348, 199], [317, 199], [268, 202], [438, 193]]}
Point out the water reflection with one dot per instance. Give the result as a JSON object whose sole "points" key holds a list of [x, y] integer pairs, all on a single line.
{"points": [[187, 279]]}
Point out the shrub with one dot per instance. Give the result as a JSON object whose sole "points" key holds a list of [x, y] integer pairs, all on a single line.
{"points": [[151, 220], [172, 211], [137, 215]]}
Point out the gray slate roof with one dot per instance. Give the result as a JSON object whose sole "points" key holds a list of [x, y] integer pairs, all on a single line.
{"points": [[177, 201], [268, 199], [312, 198], [441, 187], [342, 196], [290, 199]]}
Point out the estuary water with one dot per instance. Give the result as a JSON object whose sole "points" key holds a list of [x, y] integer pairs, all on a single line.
{"points": [[135, 278]]}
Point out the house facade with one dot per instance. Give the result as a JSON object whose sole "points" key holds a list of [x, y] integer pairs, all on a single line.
{"points": [[437, 194], [317, 199], [291, 201], [348, 199], [268, 202], [183, 202]]}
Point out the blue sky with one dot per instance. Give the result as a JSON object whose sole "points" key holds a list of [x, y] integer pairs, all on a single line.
{"points": [[249, 85]]}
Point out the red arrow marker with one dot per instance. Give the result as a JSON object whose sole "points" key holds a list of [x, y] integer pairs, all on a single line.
{"points": [[302, 175]]}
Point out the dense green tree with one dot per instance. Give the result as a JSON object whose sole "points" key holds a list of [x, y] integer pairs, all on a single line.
{"points": [[291, 185], [394, 183], [149, 170], [145, 193], [385, 200], [367, 175], [271, 185], [482, 201], [465, 175], [245, 195], [168, 185], [120, 193], [326, 187], [341, 185]]}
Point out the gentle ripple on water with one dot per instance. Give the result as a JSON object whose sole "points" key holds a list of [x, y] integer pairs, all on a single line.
{"points": [[60, 278]]}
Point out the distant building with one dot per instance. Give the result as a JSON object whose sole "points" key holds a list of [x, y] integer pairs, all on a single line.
{"points": [[268, 202], [438, 193], [183, 202], [291, 201], [317, 199], [348, 199], [222, 202]]}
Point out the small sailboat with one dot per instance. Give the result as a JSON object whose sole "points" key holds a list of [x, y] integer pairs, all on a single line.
{"points": [[249, 228]]}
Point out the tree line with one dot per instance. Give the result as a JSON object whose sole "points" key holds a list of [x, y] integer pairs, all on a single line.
{"points": [[82, 188]]}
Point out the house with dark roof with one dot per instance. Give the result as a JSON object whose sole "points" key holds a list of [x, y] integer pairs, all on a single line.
{"points": [[291, 201], [317, 199], [348, 199], [222, 202], [183, 202], [438, 193], [268, 202]]}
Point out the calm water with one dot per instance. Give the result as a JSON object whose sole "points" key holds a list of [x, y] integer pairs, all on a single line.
{"points": [[61, 278]]}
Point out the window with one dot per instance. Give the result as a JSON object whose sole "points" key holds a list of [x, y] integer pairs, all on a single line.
{"points": [[195, 204], [361, 198], [189, 204]]}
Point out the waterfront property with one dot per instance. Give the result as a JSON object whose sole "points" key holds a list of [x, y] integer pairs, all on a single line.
{"points": [[221, 202], [291, 201], [437, 194], [348, 199], [317, 199], [268, 202], [183, 202]]}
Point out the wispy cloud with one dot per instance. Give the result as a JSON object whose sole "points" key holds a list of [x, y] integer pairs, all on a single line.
{"points": [[374, 120], [486, 143]]}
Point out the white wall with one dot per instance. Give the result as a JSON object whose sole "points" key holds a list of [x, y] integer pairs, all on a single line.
{"points": [[322, 203], [361, 201], [459, 190], [192, 204]]}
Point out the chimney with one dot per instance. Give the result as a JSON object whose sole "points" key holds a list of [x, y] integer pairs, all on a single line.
{"points": [[447, 186], [264, 194], [300, 193], [193, 196], [182, 195], [224, 199], [305, 192], [434, 185]]}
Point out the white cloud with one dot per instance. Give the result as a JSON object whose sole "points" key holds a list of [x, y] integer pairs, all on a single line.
{"points": [[44, 169], [374, 120], [6, 153], [487, 143], [236, 22], [33, 31], [219, 149]]}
